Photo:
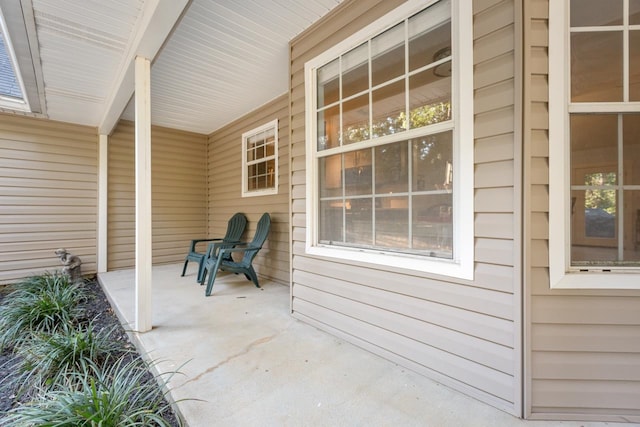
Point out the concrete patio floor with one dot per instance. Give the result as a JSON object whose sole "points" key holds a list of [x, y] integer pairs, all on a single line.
{"points": [[244, 361]]}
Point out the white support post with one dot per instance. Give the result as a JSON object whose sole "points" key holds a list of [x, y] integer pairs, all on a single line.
{"points": [[143, 193], [103, 165]]}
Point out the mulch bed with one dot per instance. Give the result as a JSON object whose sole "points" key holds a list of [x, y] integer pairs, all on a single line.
{"points": [[96, 307]]}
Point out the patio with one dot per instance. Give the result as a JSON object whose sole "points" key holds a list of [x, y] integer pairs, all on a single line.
{"points": [[247, 362]]}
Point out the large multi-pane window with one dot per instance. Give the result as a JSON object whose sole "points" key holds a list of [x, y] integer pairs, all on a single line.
{"points": [[385, 152], [602, 131]]}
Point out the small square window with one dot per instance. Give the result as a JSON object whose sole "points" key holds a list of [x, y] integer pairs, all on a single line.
{"points": [[260, 160]]}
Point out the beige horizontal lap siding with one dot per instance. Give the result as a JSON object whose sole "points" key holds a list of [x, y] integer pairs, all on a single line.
{"points": [[179, 201], [48, 195], [582, 346], [225, 185], [465, 334]]}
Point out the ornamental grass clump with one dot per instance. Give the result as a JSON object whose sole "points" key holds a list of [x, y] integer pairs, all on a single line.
{"points": [[40, 304], [65, 365], [49, 359], [120, 395]]}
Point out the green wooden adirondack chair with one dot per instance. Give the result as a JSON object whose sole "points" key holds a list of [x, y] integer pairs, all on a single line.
{"points": [[220, 258], [235, 228]]}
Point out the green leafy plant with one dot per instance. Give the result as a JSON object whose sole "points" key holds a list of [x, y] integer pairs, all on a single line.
{"points": [[40, 304], [41, 282], [120, 395], [68, 370], [48, 359]]}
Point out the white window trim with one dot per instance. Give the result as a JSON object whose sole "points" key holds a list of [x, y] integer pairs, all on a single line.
{"points": [[462, 265], [245, 185], [561, 274]]}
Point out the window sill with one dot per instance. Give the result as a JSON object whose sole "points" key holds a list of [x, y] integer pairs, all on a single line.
{"points": [[439, 266], [260, 193], [599, 280]]}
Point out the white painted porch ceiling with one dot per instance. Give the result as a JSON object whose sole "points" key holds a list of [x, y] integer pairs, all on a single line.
{"points": [[223, 59]]}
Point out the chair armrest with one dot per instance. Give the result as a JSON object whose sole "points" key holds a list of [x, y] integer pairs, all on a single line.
{"points": [[192, 247], [240, 247], [219, 245]]}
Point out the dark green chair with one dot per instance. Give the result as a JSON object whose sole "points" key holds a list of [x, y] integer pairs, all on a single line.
{"points": [[235, 228], [220, 257]]}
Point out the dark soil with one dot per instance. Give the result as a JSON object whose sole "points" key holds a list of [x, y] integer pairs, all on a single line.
{"points": [[97, 309]]}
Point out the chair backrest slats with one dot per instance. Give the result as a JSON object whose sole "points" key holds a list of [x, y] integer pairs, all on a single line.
{"points": [[235, 227], [262, 231]]}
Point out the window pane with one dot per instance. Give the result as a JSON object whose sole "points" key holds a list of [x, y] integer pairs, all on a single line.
{"points": [[596, 66], [594, 229], [331, 176], [429, 99], [593, 145], [330, 221], [588, 13], [392, 168], [433, 162], [270, 148], [387, 55], [355, 71], [355, 119], [388, 109], [251, 171], [600, 179], [264, 136], [254, 182], [634, 12], [328, 128], [429, 35], [260, 151], [328, 89], [392, 222], [357, 173], [631, 148], [432, 218], [359, 222], [9, 85], [271, 173], [631, 253], [600, 213], [634, 65]]}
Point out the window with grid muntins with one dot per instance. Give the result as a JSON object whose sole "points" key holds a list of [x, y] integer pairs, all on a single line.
{"points": [[604, 128], [385, 139], [594, 159], [260, 160]]}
